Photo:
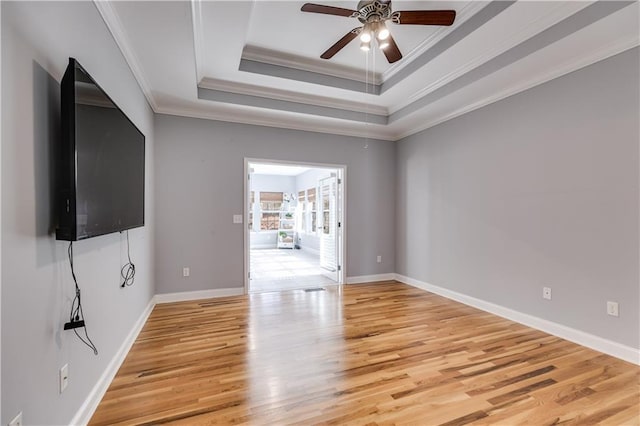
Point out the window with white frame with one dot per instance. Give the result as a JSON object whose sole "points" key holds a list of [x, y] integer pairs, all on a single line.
{"points": [[311, 199], [326, 222], [302, 209], [270, 205], [252, 202]]}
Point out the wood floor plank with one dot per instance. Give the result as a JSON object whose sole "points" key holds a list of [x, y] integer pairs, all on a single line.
{"points": [[382, 353]]}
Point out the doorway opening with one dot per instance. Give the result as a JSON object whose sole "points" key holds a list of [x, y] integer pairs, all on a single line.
{"points": [[294, 238]]}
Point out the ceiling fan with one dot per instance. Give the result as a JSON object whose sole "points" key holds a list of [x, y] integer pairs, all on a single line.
{"points": [[374, 14]]}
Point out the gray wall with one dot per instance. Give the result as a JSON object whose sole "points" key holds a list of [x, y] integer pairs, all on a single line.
{"points": [[199, 186], [540, 189], [37, 288]]}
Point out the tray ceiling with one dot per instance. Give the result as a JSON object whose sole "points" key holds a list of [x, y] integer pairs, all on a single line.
{"points": [[258, 62]]}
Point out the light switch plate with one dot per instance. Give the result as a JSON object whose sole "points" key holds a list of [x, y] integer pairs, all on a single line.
{"points": [[237, 218]]}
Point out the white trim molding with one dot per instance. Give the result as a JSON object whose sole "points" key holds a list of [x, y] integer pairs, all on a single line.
{"points": [[320, 66], [83, 415], [198, 36], [113, 23], [362, 279], [197, 295], [588, 340], [462, 15], [559, 12], [290, 96], [89, 406], [615, 48]]}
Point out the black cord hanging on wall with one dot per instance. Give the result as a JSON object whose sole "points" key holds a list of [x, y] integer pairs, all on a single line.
{"points": [[128, 271], [76, 316]]}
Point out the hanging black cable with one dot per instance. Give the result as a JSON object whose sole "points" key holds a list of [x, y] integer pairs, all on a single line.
{"points": [[128, 271], [76, 316]]}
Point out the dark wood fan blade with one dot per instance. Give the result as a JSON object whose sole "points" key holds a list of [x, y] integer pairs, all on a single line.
{"points": [[327, 10], [392, 52], [425, 17], [348, 37]]}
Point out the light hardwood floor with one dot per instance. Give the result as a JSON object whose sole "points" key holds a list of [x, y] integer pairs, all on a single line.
{"points": [[382, 353]]}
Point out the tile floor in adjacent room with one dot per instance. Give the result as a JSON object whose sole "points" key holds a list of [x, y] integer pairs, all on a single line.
{"points": [[285, 269]]}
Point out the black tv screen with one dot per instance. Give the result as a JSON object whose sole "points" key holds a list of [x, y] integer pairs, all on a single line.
{"points": [[101, 169]]}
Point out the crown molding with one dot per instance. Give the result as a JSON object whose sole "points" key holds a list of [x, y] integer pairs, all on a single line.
{"points": [[288, 60], [286, 95], [314, 78], [292, 121], [575, 64], [287, 106], [394, 131], [110, 18], [198, 37], [296, 121], [559, 13], [462, 15]]}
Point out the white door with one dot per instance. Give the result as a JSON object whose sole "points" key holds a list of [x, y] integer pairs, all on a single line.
{"points": [[329, 224]]}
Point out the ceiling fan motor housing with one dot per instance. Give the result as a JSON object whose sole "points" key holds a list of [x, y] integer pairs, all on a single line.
{"points": [[373, 11]]}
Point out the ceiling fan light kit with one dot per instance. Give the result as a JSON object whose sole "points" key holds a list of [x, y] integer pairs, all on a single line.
{"points": [[382, 31], [374, 14], [365, 35]]}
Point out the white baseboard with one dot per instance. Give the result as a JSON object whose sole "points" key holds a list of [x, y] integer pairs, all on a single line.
{"points": [[90, 404], [201, 294], [371, 278], [600, 344], [606, 346]]}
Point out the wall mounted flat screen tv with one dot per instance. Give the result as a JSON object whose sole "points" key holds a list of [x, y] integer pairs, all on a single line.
{"points": [[100, 173]]}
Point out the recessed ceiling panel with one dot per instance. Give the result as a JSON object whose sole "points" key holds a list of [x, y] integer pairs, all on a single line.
{"points": [[280, 27], [188, 59]]}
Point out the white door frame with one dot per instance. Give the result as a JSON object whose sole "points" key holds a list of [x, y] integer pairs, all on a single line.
{"points": [[333, 227], [342, 211]]}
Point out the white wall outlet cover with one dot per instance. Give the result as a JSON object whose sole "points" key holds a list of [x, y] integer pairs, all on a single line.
{"points": [[546, 293], [613, 309], [17, 420], [237, 218], [186, 272], [379, 259]]}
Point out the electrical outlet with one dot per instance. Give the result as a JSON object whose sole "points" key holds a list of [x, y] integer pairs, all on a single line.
{"points": [[379, 259], [546, 293], [17, 420], [612, 309], [64, 377], [237, 218], [186, 272]]}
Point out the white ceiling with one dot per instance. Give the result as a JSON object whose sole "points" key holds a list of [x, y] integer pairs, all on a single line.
{"points": [[258, 61]]}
